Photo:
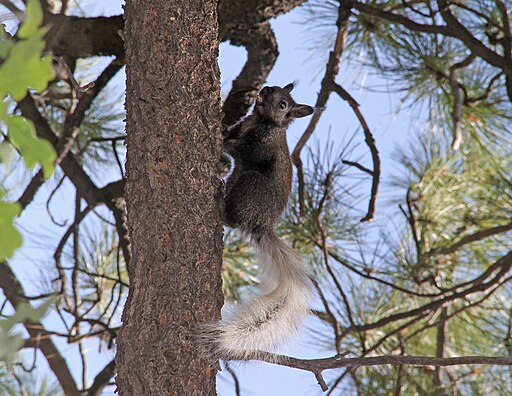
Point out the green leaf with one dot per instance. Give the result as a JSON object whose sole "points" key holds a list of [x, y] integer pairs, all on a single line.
{"points": [[11, 238], [5, 153], [32, 149], [26, 311], [5, 44], [33, 20], [25, 68]]}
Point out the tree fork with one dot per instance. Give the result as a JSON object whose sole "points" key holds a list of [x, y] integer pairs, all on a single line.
{"points": [[173, 144]]}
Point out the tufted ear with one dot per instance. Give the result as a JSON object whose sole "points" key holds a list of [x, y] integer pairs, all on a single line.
{"points": [[288, 88], [301, 110]]}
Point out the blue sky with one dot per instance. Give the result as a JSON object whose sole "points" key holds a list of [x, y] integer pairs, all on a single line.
{"points": [[295, 63]]}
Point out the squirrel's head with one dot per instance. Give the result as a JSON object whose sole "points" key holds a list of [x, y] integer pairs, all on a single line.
{"points": [[276, 105]]}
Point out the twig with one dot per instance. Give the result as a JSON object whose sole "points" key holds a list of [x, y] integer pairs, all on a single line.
{"points": [[440, 343], [358, 166], [457, 99], [48, 210], [411, 219], [235, 378], [367, 275], [332, 319], [337, 382], [77, 88], [327, 184], [107, 139], [116, 155], [471, 101], [58, 252], [370, 141]]}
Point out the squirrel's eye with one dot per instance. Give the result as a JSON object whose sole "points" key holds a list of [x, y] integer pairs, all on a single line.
{"points": [[283, 105]]}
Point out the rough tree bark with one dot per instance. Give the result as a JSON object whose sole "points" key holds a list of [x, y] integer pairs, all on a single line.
{"points": [[173, 127]]}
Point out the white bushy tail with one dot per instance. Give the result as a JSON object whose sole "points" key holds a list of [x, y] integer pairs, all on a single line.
{"points": [[270, 319]]}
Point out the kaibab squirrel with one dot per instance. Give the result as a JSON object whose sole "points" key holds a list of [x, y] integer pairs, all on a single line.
{"points": [[256, 193]]}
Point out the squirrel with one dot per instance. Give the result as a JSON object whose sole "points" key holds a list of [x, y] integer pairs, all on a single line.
{"points": [[256, 194]]}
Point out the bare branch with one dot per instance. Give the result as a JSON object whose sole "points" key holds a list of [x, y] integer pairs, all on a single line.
{"points": [[317, 366], [261, 46], [102, 378], [370, 141], [358, 166], [235, 378]]}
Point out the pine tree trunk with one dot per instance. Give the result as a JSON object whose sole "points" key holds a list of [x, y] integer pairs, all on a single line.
{"points": [[173, 126]]}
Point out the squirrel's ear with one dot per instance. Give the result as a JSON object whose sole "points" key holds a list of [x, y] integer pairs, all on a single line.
{"points": [[288, 88], [301, 110]]}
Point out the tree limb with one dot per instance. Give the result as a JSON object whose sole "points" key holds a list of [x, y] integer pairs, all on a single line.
{"points": [[102, 378], [262, 52], [317, 366], [14, 292]]}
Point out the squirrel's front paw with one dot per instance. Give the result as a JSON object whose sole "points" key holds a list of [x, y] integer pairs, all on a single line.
{"points": [[223, 165]]}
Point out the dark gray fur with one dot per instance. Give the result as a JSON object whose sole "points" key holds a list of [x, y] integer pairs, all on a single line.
{"points": [[259, 186]]}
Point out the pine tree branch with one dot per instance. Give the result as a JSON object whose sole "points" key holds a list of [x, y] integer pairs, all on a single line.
{"points": [[476, 236], [458, 30], [79, 37], [261, 45], [476, 286], [453, 28], [235, 15], [102, 378], [457, 99], [14, 292], [317, 366], [70, 130], [326, 87], [370, 141]]}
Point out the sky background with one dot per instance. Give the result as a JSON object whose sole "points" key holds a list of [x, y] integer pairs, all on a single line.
{"points": [[295, 63]]}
